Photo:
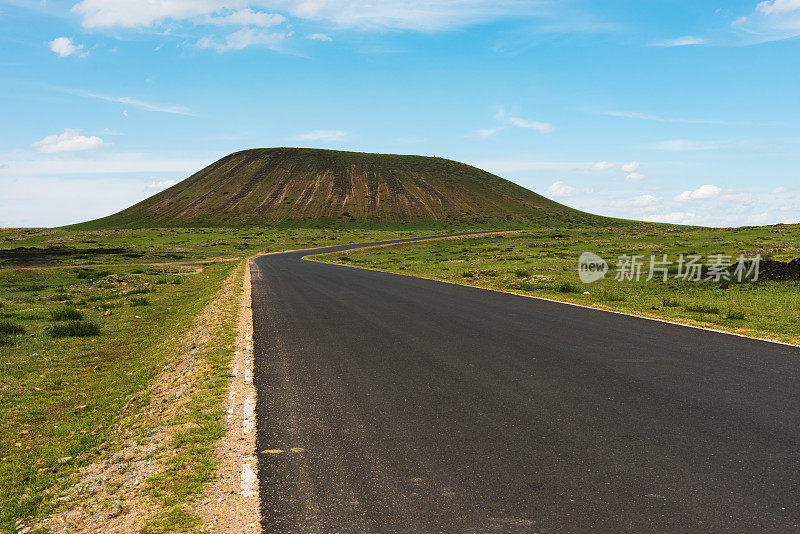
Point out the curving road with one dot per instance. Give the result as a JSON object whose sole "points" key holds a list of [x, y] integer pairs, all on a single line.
{"points": [[419, 406]]}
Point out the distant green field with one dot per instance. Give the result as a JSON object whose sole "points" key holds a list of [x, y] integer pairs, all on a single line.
{"points": [[544, 262], [67, 368]]}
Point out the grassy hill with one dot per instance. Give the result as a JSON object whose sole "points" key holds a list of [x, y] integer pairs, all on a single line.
{"points": [[310, 187]]}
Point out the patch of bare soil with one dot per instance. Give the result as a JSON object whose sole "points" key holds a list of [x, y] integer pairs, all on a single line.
{"points": [[779, 270], [231, 504], [109, 495]]}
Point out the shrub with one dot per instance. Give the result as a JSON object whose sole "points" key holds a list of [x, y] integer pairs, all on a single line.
{"points": [[11, 328], [739, 315], [609, 296], [88, 274], [6, 340], [568, 287], [178, 280], [669, 303], [75, 329], [468, 274], [139, 301], [139, 291], [701, 308], [524, 286], [65, 313], [521, 273]]}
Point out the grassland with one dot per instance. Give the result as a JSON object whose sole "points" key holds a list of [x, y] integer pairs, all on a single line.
{"points": [[87, 321], [544, 262]]}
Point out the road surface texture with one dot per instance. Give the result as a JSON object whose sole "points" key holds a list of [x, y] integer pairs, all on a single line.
{"points": [[420, 406]]}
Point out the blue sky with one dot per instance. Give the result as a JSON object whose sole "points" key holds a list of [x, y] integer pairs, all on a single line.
{"points": [[677, 111]]}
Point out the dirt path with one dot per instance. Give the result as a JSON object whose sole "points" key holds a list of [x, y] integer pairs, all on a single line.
{"points": [[231, 504]]}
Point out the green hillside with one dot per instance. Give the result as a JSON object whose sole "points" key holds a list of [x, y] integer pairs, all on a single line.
{"points": [[310, 187]]}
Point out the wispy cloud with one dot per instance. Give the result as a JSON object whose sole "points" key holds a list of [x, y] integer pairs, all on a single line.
{"points": [[603, 166], [319, 37], [129, 101], [244, 38], [502, 117], [635, 177], [686, 40], [418, 15], [658, 118], [772, 20], [541, 127], [686, 145]]}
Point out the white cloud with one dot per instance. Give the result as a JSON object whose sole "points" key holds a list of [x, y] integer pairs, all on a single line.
{"points": [[683, 145], [703, 192], [560, 189], [63, 46], [248, 17], [603, 166], [243, 38], [69, 140], [160, 184], [323, 135], [686, 40], [778, 190], [630, 167], [635, 177], [421, 15], [319, 37], [772, 20], [778, 6]]}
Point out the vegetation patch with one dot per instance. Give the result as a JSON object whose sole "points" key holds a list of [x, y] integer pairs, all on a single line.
{"points": [[65, 313], [83, 328]]}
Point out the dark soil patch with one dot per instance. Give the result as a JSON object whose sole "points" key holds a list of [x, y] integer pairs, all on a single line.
{"points": [[779, 270], [43, 256]]}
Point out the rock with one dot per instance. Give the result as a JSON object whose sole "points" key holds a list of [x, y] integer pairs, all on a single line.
{"points": [[81, 408], [107, 313], [65, 459]]}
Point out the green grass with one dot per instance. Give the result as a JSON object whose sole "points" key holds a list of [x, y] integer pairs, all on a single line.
{"points": [[83, 328], [139, 301], [11, 328], [65, 313], [702, 308], [543, 262]]}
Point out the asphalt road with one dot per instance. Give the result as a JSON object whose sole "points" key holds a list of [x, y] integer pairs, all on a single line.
{"points": [[421, 406]]}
